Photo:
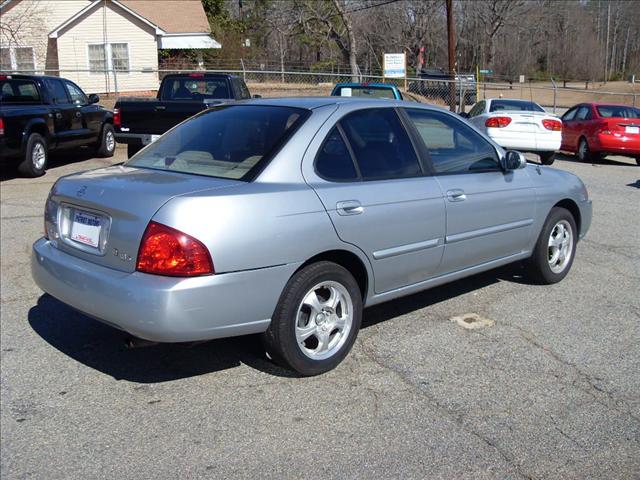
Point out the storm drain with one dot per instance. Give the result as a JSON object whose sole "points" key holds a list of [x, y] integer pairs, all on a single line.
{"points": [[471, 321]]}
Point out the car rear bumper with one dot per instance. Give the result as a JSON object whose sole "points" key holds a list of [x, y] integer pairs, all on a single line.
{"points": [[162, 309], [138, 139], [524, 141], [623, 145]]}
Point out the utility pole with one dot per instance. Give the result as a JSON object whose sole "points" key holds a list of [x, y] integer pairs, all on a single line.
{"points": [[451, 36]]}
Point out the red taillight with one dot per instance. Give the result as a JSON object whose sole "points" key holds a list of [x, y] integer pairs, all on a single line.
{"points": [[555, 125], [117, 118], [196, 75], [1, 126], [167, 251], [497, 122]]}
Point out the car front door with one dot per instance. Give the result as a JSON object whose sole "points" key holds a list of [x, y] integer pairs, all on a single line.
{"points": [[489, 211], [372, 184], [87, 119]]}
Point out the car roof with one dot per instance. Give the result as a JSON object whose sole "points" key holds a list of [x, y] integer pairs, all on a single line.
{"points": [[366, 85], [310, 103]]}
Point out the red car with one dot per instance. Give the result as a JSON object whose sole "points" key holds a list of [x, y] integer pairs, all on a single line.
{"points": [[595, 130]]}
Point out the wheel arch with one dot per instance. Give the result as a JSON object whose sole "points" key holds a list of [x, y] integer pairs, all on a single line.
{"points": [[573, 208], [350, 261], [35, 127]]}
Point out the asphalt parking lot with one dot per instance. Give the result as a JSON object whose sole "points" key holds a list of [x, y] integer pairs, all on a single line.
{"points": [[550, 391]]}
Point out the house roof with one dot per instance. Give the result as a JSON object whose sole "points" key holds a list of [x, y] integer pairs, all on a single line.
{"points": [[172, 16]]}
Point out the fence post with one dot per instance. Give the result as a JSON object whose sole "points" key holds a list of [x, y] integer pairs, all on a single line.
{"points": [[555, 90], [244, 73], [115, 81]]}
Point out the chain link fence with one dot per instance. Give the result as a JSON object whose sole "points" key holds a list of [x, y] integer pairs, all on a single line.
{"points": [[464, 90]]}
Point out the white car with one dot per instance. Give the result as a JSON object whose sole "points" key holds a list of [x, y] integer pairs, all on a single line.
{"points": [[518, 125]]}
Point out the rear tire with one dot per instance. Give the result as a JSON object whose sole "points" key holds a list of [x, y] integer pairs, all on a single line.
{"points": [[547, 158], [638, 161], [107, 145], [132, 150], [36, 157], [316, 321], [555, 249], [584, 152]]}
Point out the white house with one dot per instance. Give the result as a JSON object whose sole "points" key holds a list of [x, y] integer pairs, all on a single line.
{"points": [[102, 45]]}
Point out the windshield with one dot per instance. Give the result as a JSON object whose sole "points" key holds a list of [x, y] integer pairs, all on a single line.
{"points": [[521, 105], [367, 92], [617, 111], [230, 141], [195, 88]]}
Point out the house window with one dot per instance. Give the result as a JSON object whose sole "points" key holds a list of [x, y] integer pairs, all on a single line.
{"points": [[114, 57], [120, 56], [17, 59], [97, 58]]}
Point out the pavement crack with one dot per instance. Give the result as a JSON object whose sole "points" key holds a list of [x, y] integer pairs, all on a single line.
{"points": [[457, 417]]}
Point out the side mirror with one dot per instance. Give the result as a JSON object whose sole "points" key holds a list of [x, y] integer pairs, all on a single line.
{"points": [[93, 98], [513, 160], [464, 114], [257, 96]]}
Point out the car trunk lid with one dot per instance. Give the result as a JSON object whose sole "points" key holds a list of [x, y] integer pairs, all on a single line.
{"points": [[103, 214]]}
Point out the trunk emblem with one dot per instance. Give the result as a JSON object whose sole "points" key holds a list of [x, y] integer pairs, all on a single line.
{"points": [[81, 191], [122, 256]]}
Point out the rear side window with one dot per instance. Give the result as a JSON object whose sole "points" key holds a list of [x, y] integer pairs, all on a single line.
{"points": [[617, 111], [454, 147], [230, 141], [570, 115], [195, 88], [57, 91], [583, 113], [477, 109], [380, 144], [18, 91], [334, 161]]}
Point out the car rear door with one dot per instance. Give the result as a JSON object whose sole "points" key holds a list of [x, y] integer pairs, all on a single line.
{"points": [[489, 212], [374, 188], [568, 129]]}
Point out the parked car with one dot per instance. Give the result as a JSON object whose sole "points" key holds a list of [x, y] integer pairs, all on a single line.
{"points": [[39, 114], [140, 121], [367, 90], [518, 124], [287, 216], [434, 84], [595, 130]]}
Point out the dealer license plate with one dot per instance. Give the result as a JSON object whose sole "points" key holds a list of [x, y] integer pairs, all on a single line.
{"points": [[632, 129], [154, 138], [85, 228]]}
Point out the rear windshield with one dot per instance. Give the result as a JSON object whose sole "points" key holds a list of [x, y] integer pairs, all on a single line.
{"points": [[18, 91], [229, 141], [367, 92], [617, 111], [195, 88], [499, 105]]}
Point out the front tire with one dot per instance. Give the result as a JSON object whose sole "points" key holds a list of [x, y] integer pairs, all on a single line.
{"points": [[555, 249], [317, 319], [547, 158], [107, 145], [36, 157]]}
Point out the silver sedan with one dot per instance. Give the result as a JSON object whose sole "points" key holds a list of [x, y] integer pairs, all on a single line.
{"points": [[287, 216]]}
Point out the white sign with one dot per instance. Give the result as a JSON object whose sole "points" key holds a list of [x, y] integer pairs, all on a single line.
{"points": [[521, 79], [395, 65]]}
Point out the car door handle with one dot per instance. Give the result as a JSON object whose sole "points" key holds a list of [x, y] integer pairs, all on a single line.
{"points": [[78, 114], [456, 195], [58, 115], [349, 207], [160, 107]]}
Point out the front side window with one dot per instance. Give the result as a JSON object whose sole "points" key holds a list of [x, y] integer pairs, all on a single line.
{"points": [[380, 144], [77, 96], [229, 141], [477, 109], [454, 147], [334, 161]]}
